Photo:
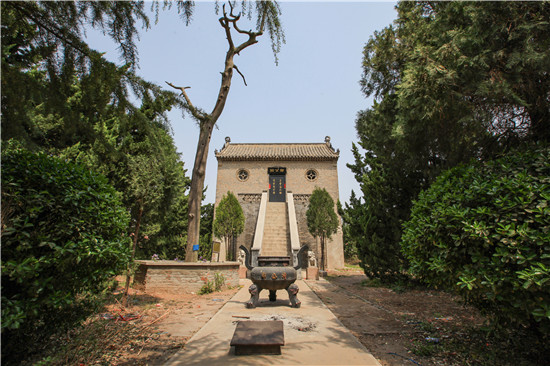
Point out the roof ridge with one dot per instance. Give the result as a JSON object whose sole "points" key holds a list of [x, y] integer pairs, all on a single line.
{"points": [[278, 143], [278, 151]]}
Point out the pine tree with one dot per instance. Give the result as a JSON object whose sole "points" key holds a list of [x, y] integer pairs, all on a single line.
{"points": [[322, 221], [452, 81], [229, 223]]}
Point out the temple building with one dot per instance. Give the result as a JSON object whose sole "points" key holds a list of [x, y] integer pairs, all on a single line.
{"points": [[273, 183]]}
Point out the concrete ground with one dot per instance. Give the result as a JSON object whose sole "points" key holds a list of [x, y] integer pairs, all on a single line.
{"points": [[313, 335]]}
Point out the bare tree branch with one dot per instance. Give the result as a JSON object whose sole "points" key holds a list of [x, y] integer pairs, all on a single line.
{"points": [[198, 114], [240, 73], [235, 17], [228, 19], [224, 21]]}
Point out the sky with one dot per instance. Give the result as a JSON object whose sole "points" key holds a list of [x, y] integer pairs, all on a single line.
{"points": [[313, 92]]}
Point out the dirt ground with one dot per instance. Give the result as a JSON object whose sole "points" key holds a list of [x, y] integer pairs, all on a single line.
{"points": [[164, 322], [391, 324]]}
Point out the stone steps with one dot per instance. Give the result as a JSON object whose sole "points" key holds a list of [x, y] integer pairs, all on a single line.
{"points": [[276, 234]]}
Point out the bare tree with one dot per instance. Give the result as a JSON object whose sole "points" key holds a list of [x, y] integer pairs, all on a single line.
{"points": [[268, 16]]}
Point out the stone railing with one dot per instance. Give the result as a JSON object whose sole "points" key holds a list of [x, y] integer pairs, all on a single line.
{"points": [[259, 232], [293, 226]]}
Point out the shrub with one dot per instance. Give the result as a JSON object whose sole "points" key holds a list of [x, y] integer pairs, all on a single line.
{"points": [[62, 240], [483, 230], [229, 223], [217, 285], [321, 220]]}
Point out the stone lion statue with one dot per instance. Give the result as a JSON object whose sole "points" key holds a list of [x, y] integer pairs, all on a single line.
{"points": [[311, 259], [241, 257]]}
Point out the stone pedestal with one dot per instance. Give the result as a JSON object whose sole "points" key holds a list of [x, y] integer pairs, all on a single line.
{"points": [[242, 272], [312, 273]]}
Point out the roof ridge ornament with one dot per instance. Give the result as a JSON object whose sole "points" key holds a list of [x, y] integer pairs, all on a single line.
{"points": [[227, 142], [327, 141]]}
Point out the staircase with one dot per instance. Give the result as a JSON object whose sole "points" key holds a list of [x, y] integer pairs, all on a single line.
{"points": [[276, 239]]}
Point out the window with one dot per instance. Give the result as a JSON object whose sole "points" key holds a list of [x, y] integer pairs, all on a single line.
{"points": [[242, 175], [312, 175]]}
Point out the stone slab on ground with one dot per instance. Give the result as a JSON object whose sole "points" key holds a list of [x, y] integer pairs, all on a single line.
{"points": [[313, 335], [258, 337]]}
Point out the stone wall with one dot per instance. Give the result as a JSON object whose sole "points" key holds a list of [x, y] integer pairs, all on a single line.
{"points": [[250, 204], [301, 204], [335, 253], [177, 277]]}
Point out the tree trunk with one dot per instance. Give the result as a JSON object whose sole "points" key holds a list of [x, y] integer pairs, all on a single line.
{"points": [[134, 245], [323, 254], [196, 191], [540, 120], [207, 122], [199, 169]]}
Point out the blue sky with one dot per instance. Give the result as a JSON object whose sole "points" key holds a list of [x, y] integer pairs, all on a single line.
{"points": [[314, 91]]}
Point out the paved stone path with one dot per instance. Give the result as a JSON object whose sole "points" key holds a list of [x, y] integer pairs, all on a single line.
{"points": [[313, 335]]}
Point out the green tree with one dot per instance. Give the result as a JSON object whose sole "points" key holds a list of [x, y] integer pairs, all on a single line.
{"points": [[447, 88], [350, 243], [44, 53], [482, 230], [207, 221], [267, 19], [322, 221], [79, 110], [145, 187], [63, 239], [229, 222]]}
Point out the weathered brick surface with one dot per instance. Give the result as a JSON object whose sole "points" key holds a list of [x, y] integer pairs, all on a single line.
{"points": [[250, 204], [177, 277]]}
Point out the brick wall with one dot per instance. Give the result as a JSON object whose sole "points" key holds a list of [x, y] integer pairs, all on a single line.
{"points": [[258, 179], [177, 277]]}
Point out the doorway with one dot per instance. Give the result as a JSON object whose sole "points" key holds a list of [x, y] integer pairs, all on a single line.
{"points": [[277, 184]]}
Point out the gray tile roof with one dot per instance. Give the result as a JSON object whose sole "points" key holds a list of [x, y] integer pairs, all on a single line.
{"points": [[313, 151]]}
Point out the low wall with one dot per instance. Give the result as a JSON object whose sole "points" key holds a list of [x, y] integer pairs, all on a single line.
{"points": [[176, 277]]}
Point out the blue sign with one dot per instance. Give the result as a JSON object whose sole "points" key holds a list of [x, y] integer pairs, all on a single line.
{"points": [[196, 248]]}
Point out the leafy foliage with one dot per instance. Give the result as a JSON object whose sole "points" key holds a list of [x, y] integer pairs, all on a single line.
{"points": [[229, 222], [448, 88], [483, 230], [44, 54], [207, 220], [76, 106], [212, 286], [350, 244], [63, 237], [322, 221]]}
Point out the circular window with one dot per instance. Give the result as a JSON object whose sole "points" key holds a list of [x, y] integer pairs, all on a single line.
{"points": [[311, 175], [242, 175]]}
